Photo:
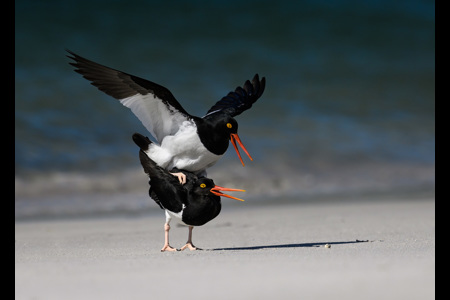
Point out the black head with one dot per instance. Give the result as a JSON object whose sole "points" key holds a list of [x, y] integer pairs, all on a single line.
{"points": [[222, 124], [203, 186], [216, 130], [206, 187], [226, 124]]}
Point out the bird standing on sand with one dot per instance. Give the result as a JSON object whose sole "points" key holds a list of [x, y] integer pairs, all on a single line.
{"points": [[193, 204], [186, 142]]}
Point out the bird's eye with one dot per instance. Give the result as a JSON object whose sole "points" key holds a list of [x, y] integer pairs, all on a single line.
{"points": [[229, 125], [202, 185]]}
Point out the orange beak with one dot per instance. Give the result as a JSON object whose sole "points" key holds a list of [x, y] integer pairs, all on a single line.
{"points": [[235, 138], [216, 191]]}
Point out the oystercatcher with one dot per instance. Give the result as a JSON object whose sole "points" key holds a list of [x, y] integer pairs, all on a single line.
{"points": [[193, 204], [184, 141]]}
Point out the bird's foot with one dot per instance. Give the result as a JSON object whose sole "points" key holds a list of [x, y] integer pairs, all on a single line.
{"points": [[181, 177], [168, 248], [190, 246]]}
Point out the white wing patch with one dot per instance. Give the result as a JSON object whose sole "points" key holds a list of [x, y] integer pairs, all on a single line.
{"points": [[177, 216], [183, 150], [159, 118]]}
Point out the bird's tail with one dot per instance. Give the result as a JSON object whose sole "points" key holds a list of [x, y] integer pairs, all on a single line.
{"points": [[142, 141]]}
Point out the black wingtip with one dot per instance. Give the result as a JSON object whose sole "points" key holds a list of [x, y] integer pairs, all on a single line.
{"points": [[258, 85], [241, 99], [71, 55], [253, 89], [70, 52]]}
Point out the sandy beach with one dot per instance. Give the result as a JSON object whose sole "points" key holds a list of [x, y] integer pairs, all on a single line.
{"points": [[378, 249]]}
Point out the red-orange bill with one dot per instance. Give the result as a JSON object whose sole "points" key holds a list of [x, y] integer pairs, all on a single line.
{"points": [[235, 138], [216, 191]]}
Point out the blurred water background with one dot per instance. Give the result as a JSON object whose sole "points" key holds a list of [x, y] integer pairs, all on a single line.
{"points": [[348, 110]]}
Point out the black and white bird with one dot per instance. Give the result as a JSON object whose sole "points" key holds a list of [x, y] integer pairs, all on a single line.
{"points": [[193, 204], [183, 141]]}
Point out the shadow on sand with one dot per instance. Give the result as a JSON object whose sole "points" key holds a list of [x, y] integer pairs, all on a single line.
{"points": [[319, 244]]}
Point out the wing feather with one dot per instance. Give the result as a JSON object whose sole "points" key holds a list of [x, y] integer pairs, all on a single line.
{"points": [[241, 99], [153, 104]]}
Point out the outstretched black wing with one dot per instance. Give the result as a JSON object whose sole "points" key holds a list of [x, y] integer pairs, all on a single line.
{"points": [[241, 99], [153, 104]]}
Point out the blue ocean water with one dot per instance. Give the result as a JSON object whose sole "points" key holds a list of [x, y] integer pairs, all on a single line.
{"points": [[349, 105]]}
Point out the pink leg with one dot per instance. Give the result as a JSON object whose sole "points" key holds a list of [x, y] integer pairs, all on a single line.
{"points": [[189, 241], [166, 246]]}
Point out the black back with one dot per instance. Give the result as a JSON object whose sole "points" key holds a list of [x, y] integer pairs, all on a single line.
{"points": [[165, 188]]}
